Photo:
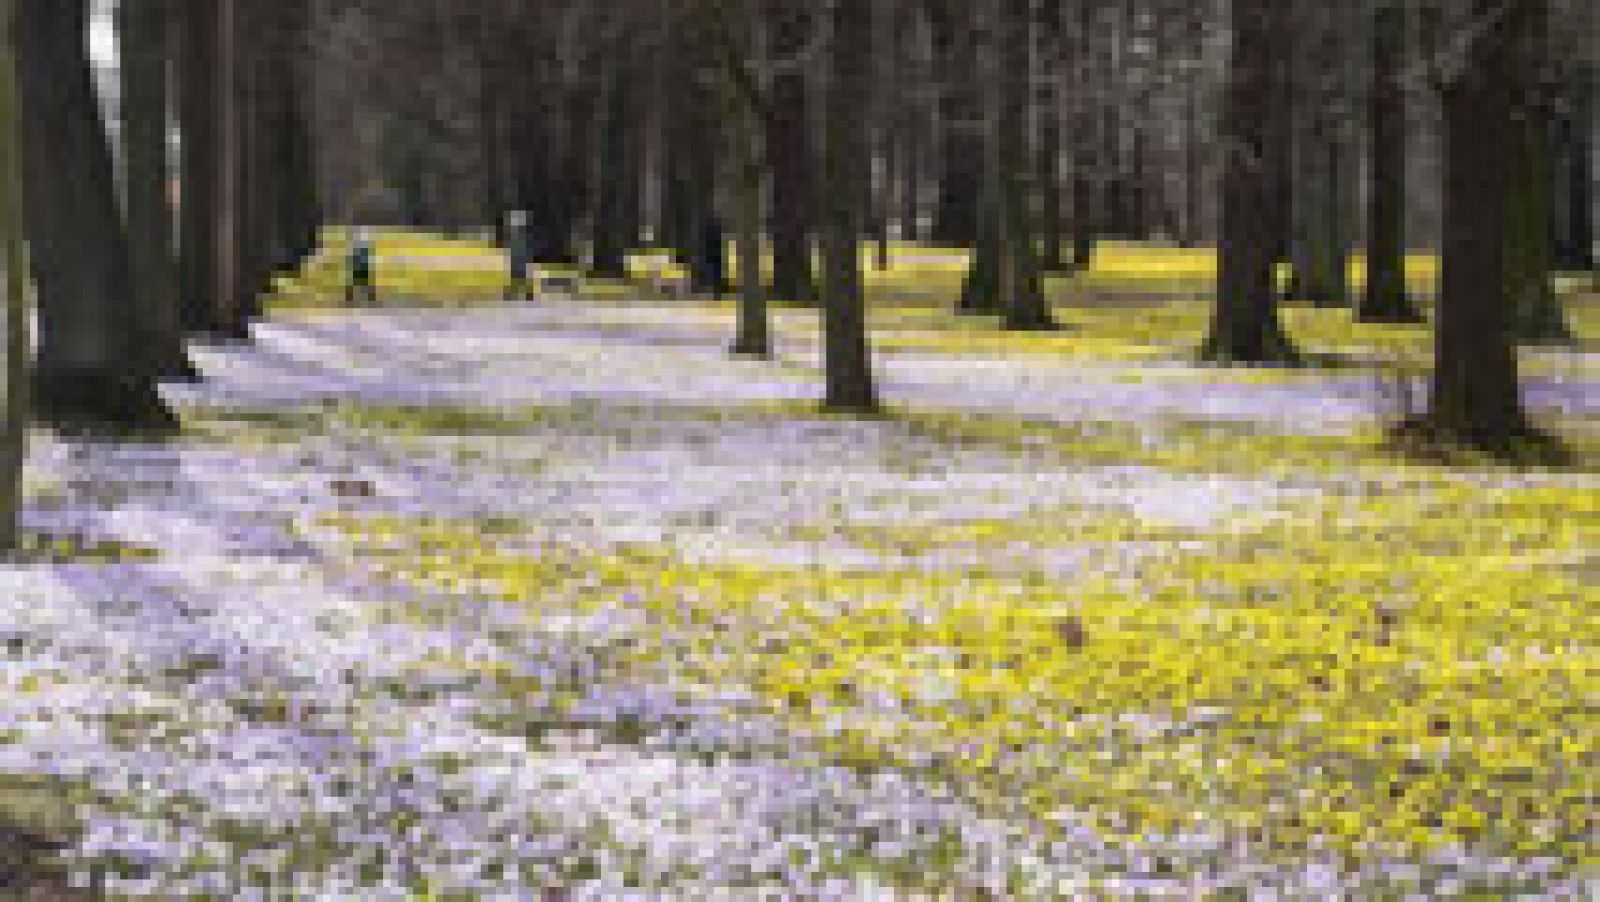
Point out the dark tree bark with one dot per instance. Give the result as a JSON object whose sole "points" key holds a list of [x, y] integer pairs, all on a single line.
{"points": [[789, 151], [1530, 254], [1245, 327], [14, 308], [1052, 206], [848, 361], [1021, 287], [1474, 397], [1088, 194], [90, 371], [144, 28], [1386, 297], [956, 218], [1574, 145], [198, 98], [610, 243]]}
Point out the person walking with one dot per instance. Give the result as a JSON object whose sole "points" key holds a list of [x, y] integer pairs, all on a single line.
{"points": [[361, 261], [519, 248]]}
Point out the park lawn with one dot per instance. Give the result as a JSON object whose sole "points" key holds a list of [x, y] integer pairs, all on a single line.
{"points": [[1398, 666]]}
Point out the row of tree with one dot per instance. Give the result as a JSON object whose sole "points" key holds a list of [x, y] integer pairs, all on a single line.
{"points": [[1025, 130]]}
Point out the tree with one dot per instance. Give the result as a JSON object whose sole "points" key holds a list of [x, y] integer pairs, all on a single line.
{"points": [[14, 313], [1530, 252], [1245, 327], [144, 27], [1474, 398], [744, 89], [847, 355], [1385, 297], [789, 148], [90, 371], [1021, 287], [198, 100]]}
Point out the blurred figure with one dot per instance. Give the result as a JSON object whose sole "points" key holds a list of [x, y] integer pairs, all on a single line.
{"points": [[519, 247], [361, 260]]}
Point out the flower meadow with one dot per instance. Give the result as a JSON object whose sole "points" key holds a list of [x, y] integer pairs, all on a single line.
{"points": [[558, 601]]}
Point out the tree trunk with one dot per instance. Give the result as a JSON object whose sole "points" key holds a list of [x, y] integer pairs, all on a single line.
{"points": [[1474, 397], [608, 257], [1574, 154], [1321, 253], [198, 97], [1088, 195], [145, 32], [789, 149], [90, 371], [848, 361], [14, 325], [754, 335], [1021, 289], [956, 218], [1053, 218], [1536, 314], [983, 291], [1245, 326], [1386, 297]]}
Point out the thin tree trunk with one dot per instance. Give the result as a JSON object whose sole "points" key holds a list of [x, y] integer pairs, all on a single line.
{"points": [[90, 371], [1574, 151], [957, 216], [1536, 312], [789, 148], [753, 338], [848, 360], [1088, 195], [1474, 397], [609, 245], [983, 291], [1052, 227], [14, 326], [1386, 297], [1245, 326]]}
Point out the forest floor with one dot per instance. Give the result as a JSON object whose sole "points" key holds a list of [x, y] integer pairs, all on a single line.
{"points": [[472, 599]]}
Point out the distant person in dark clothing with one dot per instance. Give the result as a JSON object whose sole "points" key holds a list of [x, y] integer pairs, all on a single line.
{"points": [[361, 265], [519, 248]]}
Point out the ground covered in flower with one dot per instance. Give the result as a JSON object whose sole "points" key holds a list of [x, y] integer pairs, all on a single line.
{"points": [[483, 601]]}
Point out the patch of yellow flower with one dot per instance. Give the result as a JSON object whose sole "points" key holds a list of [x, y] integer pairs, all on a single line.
{"points": [[1376, 672]]}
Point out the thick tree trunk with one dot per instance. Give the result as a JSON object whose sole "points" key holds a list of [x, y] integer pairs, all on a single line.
{"points": [[90, 372], [1021, 288], [1245, 326], [198, 97], [1474, 397], [848, 360], [14, 311], [1386, 297], [144, 27]]}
